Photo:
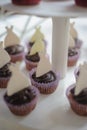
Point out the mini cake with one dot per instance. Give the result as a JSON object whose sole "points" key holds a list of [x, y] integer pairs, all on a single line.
{"points": [[44, 78], [32, 57], [5, 73], [25, 2], [20, 97], [74, 34], [37, 35], [82, 3], [12, 46], [77, 93], [73, 52], [77, 70]]}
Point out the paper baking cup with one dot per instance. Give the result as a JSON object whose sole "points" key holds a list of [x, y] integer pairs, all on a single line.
{"points": [[30, 65], [25, 2], [46, 88], [73, 59], [79, 109], [17, 57], [23, 110], [81, 3], [4, 82]]}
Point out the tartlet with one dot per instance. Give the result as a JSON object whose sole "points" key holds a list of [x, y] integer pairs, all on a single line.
{"points": [[13, 46], [20, 97], [32, 57], [78, 107], [77, 93], [17, 103], [5, 73], [73, 52], [73, 56], [43, 77], [74, 34]]}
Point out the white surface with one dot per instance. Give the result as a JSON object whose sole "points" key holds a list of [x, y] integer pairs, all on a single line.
{"points": [[11, 125], [48, 8]]}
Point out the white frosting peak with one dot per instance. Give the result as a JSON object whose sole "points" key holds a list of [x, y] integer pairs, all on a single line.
{"points": [[37, 47], [71, 42], [18, 81], [73, 31], [4, 56], [44, 65], [11, 38], [82, 79], [37, 35]]}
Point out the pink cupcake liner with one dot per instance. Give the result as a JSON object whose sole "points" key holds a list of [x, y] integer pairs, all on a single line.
{"points": [[17, 57], [4, 82], [81, 3], [73, 59], [79, 109], [30, 65], [24, 109], [46, 88], [25, 2]]}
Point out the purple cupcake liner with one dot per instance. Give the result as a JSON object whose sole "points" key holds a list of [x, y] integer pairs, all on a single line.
{"points": [[75, 56], [4, 82], [24, 109], [73, 59], [30, 65], [79, 109], [45, 88], [17, 57]]}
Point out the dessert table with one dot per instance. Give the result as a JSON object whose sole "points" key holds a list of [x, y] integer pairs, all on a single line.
{"points": [[60, 11], [52, 111]]}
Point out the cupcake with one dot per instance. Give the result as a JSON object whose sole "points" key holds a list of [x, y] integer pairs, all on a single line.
{"points": [[74, 34], [32, 57], [82, 3], [73, 52], [5, 73], [20, 97], [77, 93], [25, 2], [12, 46], [38, 34], [44, 78], [77, 70]]}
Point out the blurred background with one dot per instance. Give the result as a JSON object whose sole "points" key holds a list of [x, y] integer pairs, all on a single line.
{"points": [[24, 27]]}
